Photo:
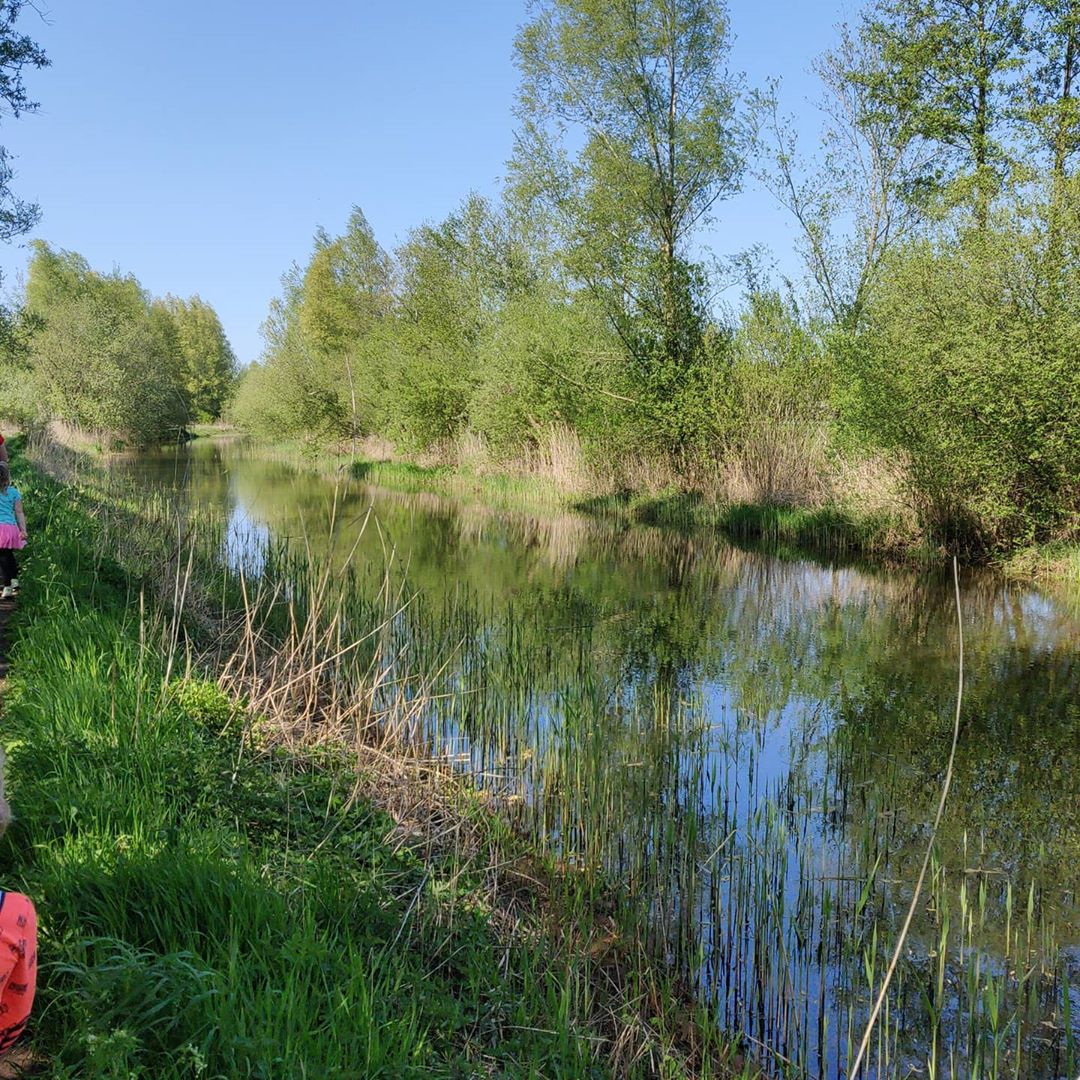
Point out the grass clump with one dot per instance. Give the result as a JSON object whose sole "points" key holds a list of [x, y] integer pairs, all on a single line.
{"points": [[829, 529]]}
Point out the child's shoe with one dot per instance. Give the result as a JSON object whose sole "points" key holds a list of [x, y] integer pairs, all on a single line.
{"points": [[7, 593], [15, 584]]}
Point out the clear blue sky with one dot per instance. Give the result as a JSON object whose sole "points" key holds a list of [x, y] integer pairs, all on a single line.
{"points": [[198, 145]]}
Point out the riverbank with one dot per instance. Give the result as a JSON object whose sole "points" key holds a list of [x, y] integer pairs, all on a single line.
{"points": [[657, 498], [879, 530], [221, 897]]}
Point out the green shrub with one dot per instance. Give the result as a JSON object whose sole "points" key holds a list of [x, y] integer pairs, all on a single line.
{"points": [[967, 371]]}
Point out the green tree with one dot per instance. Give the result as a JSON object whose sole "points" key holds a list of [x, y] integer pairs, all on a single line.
{"points": [[772, 403], [641, 84], [102, 355], [308, 382], [298, 389], [1050, 94], [253, 405], [208, 362], [946, 72], [967, 372], [457, 277], [858, 199], [544, 364], [346, 288], [348, 284], [17, 52]]}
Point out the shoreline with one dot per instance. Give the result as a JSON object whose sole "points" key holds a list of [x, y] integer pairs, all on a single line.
{"points": [[823, 532], [475, 954]]}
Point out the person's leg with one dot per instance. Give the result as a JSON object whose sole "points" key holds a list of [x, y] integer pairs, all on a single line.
{"points": [[9, 568]]}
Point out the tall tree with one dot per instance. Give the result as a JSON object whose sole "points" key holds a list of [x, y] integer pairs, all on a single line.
{"points": [[1050, 105], [102, 355], [208, 364], [17, 52], [858, 199], [640, 86], [947, 70], [307, 382], [458, 273], [347, 285], [295, 389], [456, 277]]}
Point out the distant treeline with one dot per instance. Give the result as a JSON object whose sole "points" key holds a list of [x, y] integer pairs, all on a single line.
{"points": [[928, 365], [96, 350]]}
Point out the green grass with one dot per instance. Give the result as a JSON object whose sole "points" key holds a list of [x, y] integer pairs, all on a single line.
{"points": [[500, 490], [1058, 563], [787, 530], [211, 910]]}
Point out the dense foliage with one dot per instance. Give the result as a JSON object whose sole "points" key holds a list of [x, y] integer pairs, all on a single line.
{"points": [[461, 331], [207, 362], [968, 367], [97, 351]]}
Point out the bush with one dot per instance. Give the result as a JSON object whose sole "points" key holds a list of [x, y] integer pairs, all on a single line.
{"points": [[774, 418], [968, 372], [547, 361]]}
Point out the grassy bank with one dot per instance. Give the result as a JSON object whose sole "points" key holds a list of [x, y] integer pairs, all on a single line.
{"points": [[219, 902], [500, 489], [1057, 565], [872, 531], [830, 529]]}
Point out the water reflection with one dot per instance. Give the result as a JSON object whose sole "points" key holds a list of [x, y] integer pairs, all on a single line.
{"points": [[754, 746]]}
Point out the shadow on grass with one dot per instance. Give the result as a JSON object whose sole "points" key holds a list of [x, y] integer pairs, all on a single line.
{"points": [[787, 531], [672, 509]]}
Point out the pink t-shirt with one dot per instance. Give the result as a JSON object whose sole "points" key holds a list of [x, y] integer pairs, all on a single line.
{"points": [[18, 965]]}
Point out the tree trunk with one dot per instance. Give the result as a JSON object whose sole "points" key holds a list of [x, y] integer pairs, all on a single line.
{"points": [[981, 132], [1061, 151], [671, 299]]}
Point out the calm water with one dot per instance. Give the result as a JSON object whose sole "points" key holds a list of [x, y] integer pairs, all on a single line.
{"points": [[755, 746]]}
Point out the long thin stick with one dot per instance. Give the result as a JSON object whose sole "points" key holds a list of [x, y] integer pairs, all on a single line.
{"points": [[854, 1071]]}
